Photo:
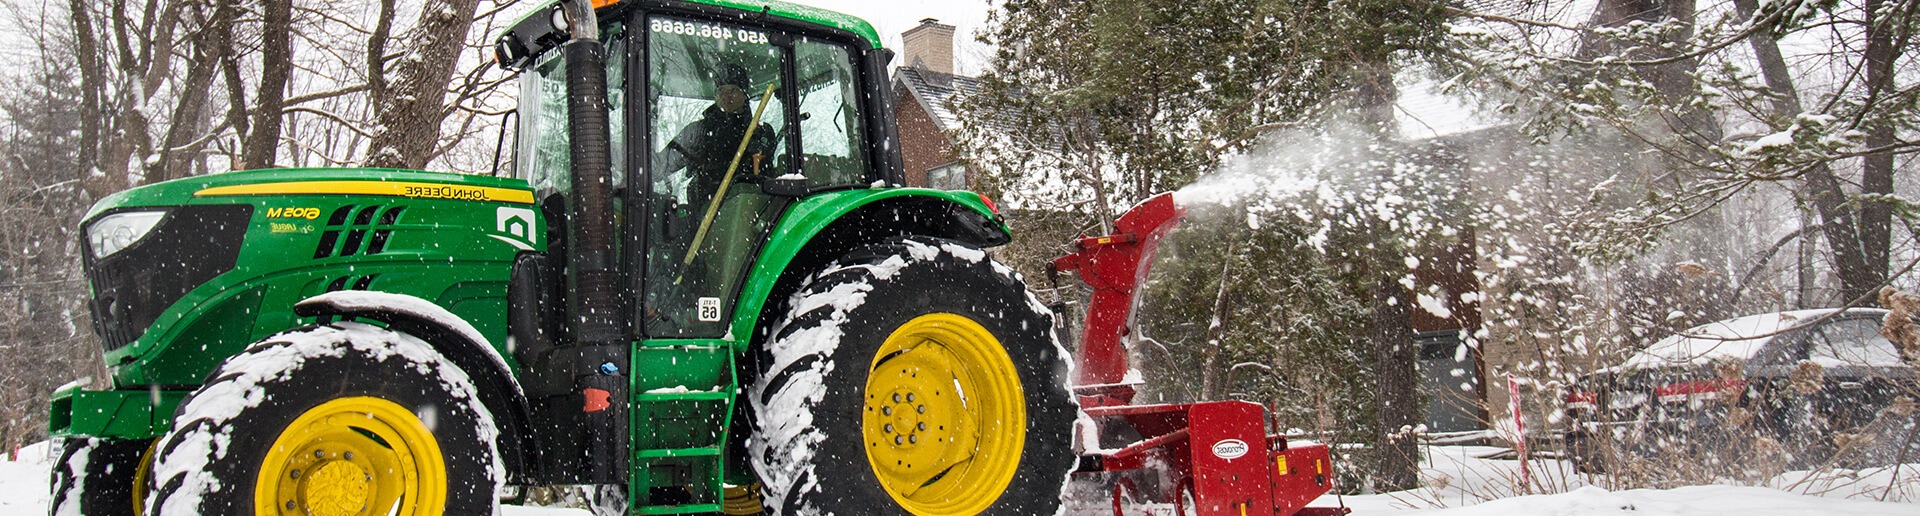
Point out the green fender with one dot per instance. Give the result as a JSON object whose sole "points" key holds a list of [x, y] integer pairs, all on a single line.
{"points": [[806, 218]]}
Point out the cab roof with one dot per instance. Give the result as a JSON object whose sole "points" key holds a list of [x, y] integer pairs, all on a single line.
{"points": [[803, 13]]}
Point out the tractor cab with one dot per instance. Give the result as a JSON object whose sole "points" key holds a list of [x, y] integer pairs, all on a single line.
{"points": [[717, 121]]}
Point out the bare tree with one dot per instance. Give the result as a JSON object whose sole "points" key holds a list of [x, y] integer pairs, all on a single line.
{"points": [[414, 104], [276, 62]]}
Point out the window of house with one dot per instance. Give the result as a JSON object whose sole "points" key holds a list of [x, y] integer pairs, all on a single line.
{"points": [[951, 176]]}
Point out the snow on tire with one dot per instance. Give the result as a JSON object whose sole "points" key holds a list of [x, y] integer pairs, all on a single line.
{"points": [[340, 418], [95, 476], [918, 371]]}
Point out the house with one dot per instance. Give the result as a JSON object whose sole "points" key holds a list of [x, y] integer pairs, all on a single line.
{"points": [[925, 93]]}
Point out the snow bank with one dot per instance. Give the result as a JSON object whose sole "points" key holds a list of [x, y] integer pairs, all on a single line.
{"points": [[24, 489], [1484, 481], [23, 483], [1684, 501]]}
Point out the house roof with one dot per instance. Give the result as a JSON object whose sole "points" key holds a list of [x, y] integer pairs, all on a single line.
{"points": [[938, 93]]}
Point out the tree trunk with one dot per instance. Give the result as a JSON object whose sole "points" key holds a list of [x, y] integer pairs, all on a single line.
{"points": [[408, 125], [1821, 187], [230, 72], [183, 140], [1886, 35], [276, 64], [1391, 327], [377, 55], [87, 56], [1217, 332], [1394, 355]]}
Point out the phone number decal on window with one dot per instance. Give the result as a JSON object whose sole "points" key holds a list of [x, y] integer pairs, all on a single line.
{"points": [[687, 28]]}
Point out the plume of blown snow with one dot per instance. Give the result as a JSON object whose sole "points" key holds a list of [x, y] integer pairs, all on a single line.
{"points": [[1287, 165]]}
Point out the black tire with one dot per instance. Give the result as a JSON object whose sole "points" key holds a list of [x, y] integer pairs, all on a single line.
{"points": [[811, 396], [95, 476], [1586, 454], [606, 500], [224, 432]]}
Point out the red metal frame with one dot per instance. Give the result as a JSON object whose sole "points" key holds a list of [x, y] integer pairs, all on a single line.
{"points": [[1217, 449]]}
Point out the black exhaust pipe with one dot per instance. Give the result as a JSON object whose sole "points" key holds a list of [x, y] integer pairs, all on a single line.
{"points": [[596, 279], [599, 337]]}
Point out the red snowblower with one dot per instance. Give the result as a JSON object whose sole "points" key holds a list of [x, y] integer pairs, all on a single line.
{"points": [[1210, 458]]}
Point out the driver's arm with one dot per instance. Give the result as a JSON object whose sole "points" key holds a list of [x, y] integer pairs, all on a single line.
{"points": [[674, 157]]}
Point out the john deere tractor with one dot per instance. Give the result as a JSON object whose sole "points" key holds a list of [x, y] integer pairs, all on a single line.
{"points": [[702, 290]]}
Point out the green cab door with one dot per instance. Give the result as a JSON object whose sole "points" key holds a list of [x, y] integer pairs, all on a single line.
{"points": [[727, 107]]}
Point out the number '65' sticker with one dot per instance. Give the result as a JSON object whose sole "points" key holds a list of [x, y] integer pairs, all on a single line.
{"points": [[709, 309]]}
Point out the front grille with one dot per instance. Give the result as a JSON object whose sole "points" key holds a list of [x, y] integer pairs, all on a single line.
{"points": [[343, 239], [191, 246]]}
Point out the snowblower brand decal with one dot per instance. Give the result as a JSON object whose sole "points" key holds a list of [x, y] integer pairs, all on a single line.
{"points": [[1230, 449], [515, 226], [388, 188]]}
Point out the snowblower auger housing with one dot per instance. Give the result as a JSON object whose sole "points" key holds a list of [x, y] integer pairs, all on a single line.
{"points": [[700, 274], [1212, 458]]}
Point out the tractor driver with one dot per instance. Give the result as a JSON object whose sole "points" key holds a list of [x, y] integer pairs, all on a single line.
{"points": [[706, 240], [706, 147]]}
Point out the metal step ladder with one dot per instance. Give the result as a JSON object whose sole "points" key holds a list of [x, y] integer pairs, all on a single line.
{"points": [[683, 399]]}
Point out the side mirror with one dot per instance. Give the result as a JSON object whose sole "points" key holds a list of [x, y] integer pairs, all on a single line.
{"points": [[790, 185]]}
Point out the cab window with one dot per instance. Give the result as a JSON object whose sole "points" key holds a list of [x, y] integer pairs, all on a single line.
{"points": [[832, 140], [719, 128]]}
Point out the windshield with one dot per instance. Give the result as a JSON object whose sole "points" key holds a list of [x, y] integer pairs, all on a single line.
{"points": [[540, 151], [719, 128]]}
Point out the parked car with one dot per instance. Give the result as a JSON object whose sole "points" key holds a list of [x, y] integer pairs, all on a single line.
{"points": [[1795, 378]]}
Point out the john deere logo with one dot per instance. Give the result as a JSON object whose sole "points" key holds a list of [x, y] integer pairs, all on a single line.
{"points": [[515, 226], [1230, 449]]}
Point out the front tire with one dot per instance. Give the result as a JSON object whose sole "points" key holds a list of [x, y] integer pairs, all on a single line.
{"points": [[343, 419], [917, 371], [100, 476]]}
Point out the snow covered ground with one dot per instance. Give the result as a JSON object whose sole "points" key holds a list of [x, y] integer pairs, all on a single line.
{"points": [[1476, 481], [23, 486], [1460, 483]]}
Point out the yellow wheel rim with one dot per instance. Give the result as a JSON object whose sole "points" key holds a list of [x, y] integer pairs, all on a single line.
{"points": [[944, 419], [353, 456], [140, 475]]}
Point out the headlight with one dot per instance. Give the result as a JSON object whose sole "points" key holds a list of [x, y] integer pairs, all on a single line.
{"points": [[114, 232]]}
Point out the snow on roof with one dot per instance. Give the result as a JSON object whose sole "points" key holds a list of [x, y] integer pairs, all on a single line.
{"points": [[1740, 338], [938, 93]]}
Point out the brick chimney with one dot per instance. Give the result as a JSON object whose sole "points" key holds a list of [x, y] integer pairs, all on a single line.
{"points": [[929, 46]]}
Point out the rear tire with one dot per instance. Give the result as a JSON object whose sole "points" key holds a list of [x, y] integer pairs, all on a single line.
{"points": [[335, 419], [916, 376], [98, 476]]}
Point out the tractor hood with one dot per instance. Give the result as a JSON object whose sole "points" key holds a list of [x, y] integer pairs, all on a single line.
{"points": [[216, 262]]}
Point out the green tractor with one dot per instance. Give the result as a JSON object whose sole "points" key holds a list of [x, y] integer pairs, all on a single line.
{"points": [[702, 290]]}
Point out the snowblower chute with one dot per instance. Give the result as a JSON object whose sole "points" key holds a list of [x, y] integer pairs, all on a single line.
{"points": [[1204, 459]]}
